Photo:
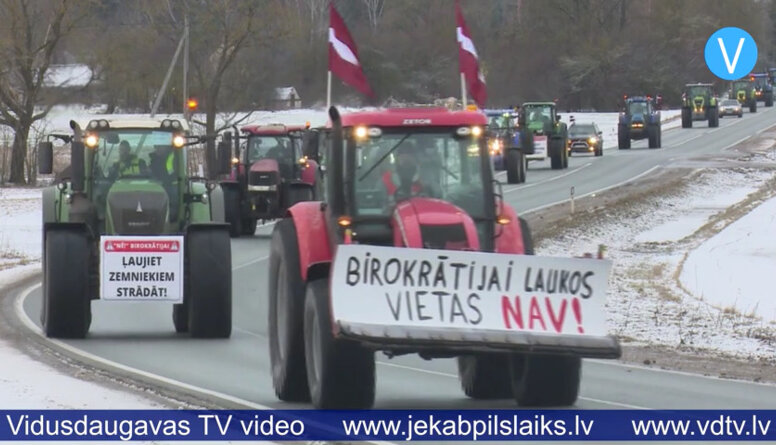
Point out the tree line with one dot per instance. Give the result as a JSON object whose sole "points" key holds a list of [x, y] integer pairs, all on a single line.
{"points": [[583, 53]]}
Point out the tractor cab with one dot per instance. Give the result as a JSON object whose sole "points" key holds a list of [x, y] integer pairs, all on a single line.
{"points": [[540, 117], [274, 148], [429, 168]]}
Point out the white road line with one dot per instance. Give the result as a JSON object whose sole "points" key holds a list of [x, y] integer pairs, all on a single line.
{"points": [[19, 309], [594, 191], [728, 147], [444, 374], [254, 261], [522, 187]]}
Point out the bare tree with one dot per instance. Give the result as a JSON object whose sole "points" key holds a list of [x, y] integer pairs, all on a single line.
{"points": [[374, 9], [34, 30]]}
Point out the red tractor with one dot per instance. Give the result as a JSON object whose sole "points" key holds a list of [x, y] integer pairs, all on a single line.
{"points": [[267, 177], [413, 250]]}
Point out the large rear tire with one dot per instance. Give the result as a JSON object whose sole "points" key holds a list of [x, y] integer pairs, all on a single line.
{"points": [[557, 155], [286, 315], [623, 137], [652, 136], [686, 118], [340, 373], [208, 287], [66, 301], [485, 376], [713, 117], [513, 159], [753, 107], [296, 193], [248, 226], [232, 211], [545, 380]]}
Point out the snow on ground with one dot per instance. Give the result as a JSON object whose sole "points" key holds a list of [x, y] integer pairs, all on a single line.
{"points": [[733, 268], [648, 245], [26, 383]]}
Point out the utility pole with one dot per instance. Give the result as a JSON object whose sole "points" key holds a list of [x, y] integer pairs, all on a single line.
{"points": [[186, 112]]}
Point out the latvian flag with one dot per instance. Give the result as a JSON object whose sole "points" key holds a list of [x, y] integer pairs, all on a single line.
{"points": [[468, 60], [343, 54]]}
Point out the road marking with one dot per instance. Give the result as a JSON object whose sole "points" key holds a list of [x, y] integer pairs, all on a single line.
{"points": [[522, 187], [254, 261], [20, 312], [727, 147], [594, 191], [444, 374]]}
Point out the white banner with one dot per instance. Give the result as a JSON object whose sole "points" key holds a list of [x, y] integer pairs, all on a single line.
{"points": [[540, 146], [141, 268], [472, 291]]}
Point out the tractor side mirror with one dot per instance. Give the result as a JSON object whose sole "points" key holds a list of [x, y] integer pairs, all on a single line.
{"points": [[45, 158], [224, 157], [77, 165], [310, 145]]}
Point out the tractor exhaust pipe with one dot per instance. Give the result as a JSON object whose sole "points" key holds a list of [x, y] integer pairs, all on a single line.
{"points": [[336, 185]]}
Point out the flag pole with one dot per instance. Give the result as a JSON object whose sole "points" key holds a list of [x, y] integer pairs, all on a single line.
{"points": [[328, 90], [463, 90]]}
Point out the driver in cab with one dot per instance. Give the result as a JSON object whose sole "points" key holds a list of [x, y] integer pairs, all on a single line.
{"points": [[128, 163], [403, 181]]}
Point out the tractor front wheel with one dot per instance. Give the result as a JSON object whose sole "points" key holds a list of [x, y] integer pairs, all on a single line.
{"points": [[623, 137], [66, 303], [208, 287], [286, 315], [340, 373]]}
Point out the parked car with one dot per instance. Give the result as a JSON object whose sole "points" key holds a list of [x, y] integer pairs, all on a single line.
{"points": [[730, 107], [585, 138]]}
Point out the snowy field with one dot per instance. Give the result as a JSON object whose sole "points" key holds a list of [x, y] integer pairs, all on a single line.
{"points": [[675, 281]]}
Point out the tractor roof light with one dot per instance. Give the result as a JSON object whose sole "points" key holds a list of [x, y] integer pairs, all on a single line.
{"points": [[178, 141], [476, 131], [360, 132], [235, 161], [91, 140]]}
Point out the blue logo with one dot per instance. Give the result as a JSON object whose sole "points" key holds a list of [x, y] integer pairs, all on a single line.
{"points": [[731, 53]]}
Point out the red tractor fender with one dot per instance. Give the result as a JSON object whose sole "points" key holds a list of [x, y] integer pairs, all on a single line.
{"points": [[311, 235], [510, 238], [308, 172]]}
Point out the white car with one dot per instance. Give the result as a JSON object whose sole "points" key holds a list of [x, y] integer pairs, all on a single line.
{"points": [[730, 107]]}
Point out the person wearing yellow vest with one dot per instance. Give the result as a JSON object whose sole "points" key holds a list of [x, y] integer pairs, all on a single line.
{"points": [[163, 163], [128, 164]]}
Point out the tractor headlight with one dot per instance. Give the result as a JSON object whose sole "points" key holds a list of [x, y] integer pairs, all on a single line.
{"points": [[91, 140], [178, 141], [495, 147], [361, 132]]}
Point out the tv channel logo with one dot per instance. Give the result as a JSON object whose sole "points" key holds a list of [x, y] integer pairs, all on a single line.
{"points": [[731, 53]]}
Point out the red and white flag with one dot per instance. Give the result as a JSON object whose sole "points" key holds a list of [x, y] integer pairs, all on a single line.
{"points": [[468, 60], [343, 54]]}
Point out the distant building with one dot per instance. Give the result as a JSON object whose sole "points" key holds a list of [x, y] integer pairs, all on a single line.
{"points": [[287, 97]]}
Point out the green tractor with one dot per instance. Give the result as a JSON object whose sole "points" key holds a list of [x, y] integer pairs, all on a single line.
{"points": [[127, 223], [745, 92], [699, 103], [550, 135]]}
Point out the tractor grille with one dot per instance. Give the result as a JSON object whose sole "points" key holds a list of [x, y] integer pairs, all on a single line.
{"points": [[150, 218], [698, 103], [449, 237], [263, 178]]}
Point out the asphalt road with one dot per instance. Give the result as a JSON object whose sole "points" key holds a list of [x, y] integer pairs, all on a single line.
{"points": [[141, 336]]}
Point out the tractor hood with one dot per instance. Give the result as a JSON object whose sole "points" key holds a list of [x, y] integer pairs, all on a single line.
{"points": [[136, 207], [265, 165], [433, 224]]}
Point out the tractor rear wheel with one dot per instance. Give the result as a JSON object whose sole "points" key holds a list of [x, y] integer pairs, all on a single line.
{"points": [[66, 303], [513, 161], [232, 211], [623, 137], [545, 380], [713, 117], [286, 315], [485, 376], [298, 193], [340, 373], [248, 226], [208, 287], [753, 107], [653, 136], [686, 118]]}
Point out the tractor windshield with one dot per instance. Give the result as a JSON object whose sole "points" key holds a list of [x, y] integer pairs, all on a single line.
{"points": [[538, 114], [128, 153], [741, 85], [437, 164], [635, 108], [699, 91], [281, 148], [760, 82]]}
